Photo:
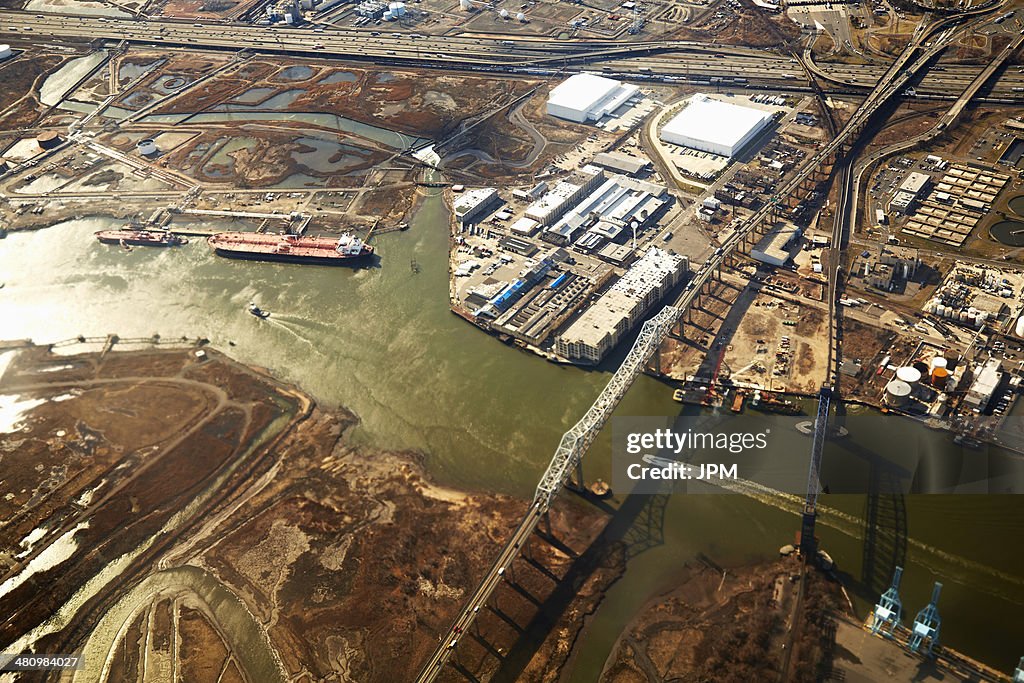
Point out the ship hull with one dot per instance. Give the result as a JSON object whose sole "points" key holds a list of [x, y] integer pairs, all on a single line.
{"points": [[137, 242], [350, 261]]}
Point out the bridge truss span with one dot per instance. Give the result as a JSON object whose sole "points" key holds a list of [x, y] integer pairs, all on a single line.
{"points": [[568, 456]]}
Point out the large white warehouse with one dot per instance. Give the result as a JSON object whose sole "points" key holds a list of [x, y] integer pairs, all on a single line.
{"points": [[710, 125], [588, 97]]}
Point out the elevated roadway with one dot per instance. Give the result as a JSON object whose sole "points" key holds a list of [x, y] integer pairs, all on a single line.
{"points": [[567, 459], [686, 61]]}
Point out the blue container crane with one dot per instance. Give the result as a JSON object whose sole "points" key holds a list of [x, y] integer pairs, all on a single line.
{"points": [[927, 625], [889, 608]]}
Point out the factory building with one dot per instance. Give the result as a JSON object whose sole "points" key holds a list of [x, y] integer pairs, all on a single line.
{"points": [[984, 385], [710, 125], [615, 206], [599, 328], [588, 97], [472, 205], [550, 207], [909, 191], [775, 248], [621, 163]]}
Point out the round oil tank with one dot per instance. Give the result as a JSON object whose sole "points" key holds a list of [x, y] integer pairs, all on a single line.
{"points": [[5, 51], [962, 315], [897, 392], [1019, 329], [389, 15], [521, 18], [939, 362], [940, 311], [466, 5], [503, 14], [908, 374], [929, 307], [48, 139], [939, 377], [146, 147]]}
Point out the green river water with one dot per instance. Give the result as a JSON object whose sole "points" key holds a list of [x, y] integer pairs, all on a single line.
{"points": [[382, 342]]}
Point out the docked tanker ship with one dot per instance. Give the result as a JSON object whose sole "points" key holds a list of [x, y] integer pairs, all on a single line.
{"points": [[346, 250], [142, 238]]}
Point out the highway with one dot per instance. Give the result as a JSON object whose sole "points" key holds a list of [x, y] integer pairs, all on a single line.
{"points": [[685, 61], [927, 42]]}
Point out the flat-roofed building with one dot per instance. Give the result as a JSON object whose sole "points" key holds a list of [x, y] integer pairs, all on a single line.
{"points": [[473, 205], [600, 327], [984, 385], [588, 97], [621, 163], [550, 207], [710, 125], [910, 191], [775, 248]]}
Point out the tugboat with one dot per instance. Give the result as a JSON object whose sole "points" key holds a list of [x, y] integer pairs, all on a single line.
{"points": [[257, 311]]}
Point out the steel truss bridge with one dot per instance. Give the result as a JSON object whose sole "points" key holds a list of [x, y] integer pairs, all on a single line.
{"points": [[567, 460]]}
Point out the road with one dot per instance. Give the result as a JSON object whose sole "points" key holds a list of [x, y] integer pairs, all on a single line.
{"points": [[685, 61]]}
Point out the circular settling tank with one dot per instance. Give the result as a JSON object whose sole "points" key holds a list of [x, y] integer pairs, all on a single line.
{"points": [[1010, 232], [1017, 205]]}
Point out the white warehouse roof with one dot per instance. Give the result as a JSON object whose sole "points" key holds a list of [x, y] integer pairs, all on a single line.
{"points": [[587, 96], [711, 125]]}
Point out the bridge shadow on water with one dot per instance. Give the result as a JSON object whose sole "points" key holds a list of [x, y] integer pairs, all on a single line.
{"points": [[883, 521], [633, 527]]}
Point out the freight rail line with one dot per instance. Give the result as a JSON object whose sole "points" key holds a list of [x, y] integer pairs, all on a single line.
{"points": [[569, 453]]}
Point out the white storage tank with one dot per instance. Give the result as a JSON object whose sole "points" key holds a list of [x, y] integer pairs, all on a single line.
{"points": [[465, 5], [897, 392], [146, 147], [503, 14], [1019, 329], [940, 311], [939, 362], [389, 16], [5, 51], [908, 374], [521, 18]]}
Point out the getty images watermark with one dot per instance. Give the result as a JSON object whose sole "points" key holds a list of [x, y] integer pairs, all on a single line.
{"points": [[662, 448], [758, 453]]}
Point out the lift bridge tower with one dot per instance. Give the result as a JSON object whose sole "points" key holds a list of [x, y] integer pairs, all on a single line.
{"points": [[808, 543], [926, 627], [889, 608]]}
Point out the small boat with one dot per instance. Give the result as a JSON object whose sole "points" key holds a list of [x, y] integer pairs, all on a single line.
{"points": [[257, 311], [737, 401], [677, 395]]}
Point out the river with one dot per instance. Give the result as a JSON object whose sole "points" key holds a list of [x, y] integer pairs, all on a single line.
{"points": [[382, 342]]}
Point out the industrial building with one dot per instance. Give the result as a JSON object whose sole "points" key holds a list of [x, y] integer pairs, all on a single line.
{"points": [[599, 328], [776, 247], [472, 205], [621, 163], [618, 205], [710, 125], [984, 385], [588, 97], [550, 207], [910, 189]]}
